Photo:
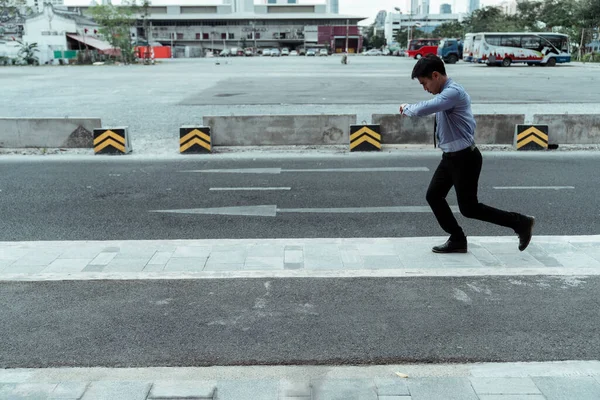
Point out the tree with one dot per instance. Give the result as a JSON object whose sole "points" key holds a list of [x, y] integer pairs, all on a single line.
{"points": [[528, 12], [27, 53], [449, 30], [11, 10], [116, 23], [487, 19], [559, 13]]}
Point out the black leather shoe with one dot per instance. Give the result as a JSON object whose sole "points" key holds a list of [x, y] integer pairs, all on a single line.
{"points": [[526, 232], [451, 247]]}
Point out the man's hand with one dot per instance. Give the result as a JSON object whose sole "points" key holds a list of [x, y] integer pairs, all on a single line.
{"points": [[402, 107]]}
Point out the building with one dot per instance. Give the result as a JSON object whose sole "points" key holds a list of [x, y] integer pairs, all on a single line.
{"points": [[473, 5], [56, 30], [334, 6], [445, 8], [380, 18], [194, 30], [509, 7], [424, 22], [424, 7]]}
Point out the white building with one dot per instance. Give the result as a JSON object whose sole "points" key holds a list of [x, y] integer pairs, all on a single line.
{"points": [[53, 29], [509, 7], [424, 22], [194, 29]]}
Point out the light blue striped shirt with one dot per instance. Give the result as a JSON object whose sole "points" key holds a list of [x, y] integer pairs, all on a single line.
{"points": [[455, 122]]}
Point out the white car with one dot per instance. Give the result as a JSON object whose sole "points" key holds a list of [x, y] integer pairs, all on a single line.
{"points": [[293, 53], [266, 52], [275, 53], [373, 52], [285, 52], [323, 52]]}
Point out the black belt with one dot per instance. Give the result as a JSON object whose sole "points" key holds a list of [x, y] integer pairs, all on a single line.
{"points": [[461, 152]]}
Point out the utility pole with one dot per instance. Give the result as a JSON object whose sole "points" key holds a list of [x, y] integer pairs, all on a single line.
{"points": [[347, 28]]}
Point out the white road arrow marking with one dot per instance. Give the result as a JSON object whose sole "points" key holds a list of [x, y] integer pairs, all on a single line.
{"points": [[272, 210]]}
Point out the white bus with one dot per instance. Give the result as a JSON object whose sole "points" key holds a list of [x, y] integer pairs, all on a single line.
{"points": [[505, 48], [468, 47]]}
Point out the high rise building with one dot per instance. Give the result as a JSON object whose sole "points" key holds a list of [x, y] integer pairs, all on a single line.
{"points": [[380, 18], [424, 7], [445, 8], [334, 7], [414, 6], [473, 5]]}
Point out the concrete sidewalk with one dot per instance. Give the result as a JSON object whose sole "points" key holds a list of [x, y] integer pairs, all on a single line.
{"points": [[571, 380], [183, 259]]}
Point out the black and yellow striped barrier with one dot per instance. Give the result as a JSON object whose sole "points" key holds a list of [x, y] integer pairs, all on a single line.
{"points": [[365, 138], [111, 141], [195, 139], [532, 137]]}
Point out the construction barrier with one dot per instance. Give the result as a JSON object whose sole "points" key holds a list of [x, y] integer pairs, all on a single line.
{"points": [[112, 141], [532, 137], [365, 138], [195, 139]]}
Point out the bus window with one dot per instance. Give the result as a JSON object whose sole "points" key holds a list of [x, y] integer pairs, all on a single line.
{"points": [[511, 41], [493, 40], [531, 43]]}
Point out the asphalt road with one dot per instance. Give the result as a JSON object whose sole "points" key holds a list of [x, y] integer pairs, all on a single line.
{"points": [[114, 198], [298, 321]]}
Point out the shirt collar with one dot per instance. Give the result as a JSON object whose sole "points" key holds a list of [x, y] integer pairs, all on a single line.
{"points": [[448, 83]]}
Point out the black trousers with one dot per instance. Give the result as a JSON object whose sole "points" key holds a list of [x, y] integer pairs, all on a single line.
{"points": [[461, 170]]}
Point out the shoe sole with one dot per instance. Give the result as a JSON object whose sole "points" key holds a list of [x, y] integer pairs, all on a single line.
{"points": [[450, 252]]}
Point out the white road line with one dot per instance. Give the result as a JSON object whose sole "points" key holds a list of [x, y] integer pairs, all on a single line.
{"points": [[534, 187], [225, 189], [277, 171], [237, 171]]}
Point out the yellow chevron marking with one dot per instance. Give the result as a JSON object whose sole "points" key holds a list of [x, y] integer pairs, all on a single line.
{"points": [[530, 139], [365, 139], [194, 133], [112, 143], [367, 131], [193, 142], [109, 134], [533, 130]]}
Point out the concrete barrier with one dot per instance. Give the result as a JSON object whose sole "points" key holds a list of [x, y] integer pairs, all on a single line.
{"points": [[570, 128], [396, 129], [497, 128], [280, 130], [48, 132], [491, 128]]}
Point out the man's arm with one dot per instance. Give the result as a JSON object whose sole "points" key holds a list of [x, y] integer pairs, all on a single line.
{"points": [[443, 101]]}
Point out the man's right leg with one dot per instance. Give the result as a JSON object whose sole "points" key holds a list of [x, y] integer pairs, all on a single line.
{"points": [[439, 187]]}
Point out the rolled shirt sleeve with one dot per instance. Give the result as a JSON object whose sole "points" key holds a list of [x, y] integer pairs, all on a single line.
{"points": [[442, 102]]}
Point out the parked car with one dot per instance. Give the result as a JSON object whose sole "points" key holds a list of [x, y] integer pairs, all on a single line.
{"points": [[285, 52], [311, 53], [323, 52], [248, 53], [293, 53], [275, 53], [266, 52], [373, 52], [225, 53]]}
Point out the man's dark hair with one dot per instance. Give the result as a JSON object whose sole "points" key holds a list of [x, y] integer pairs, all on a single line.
{"points": [[426, 66]]}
